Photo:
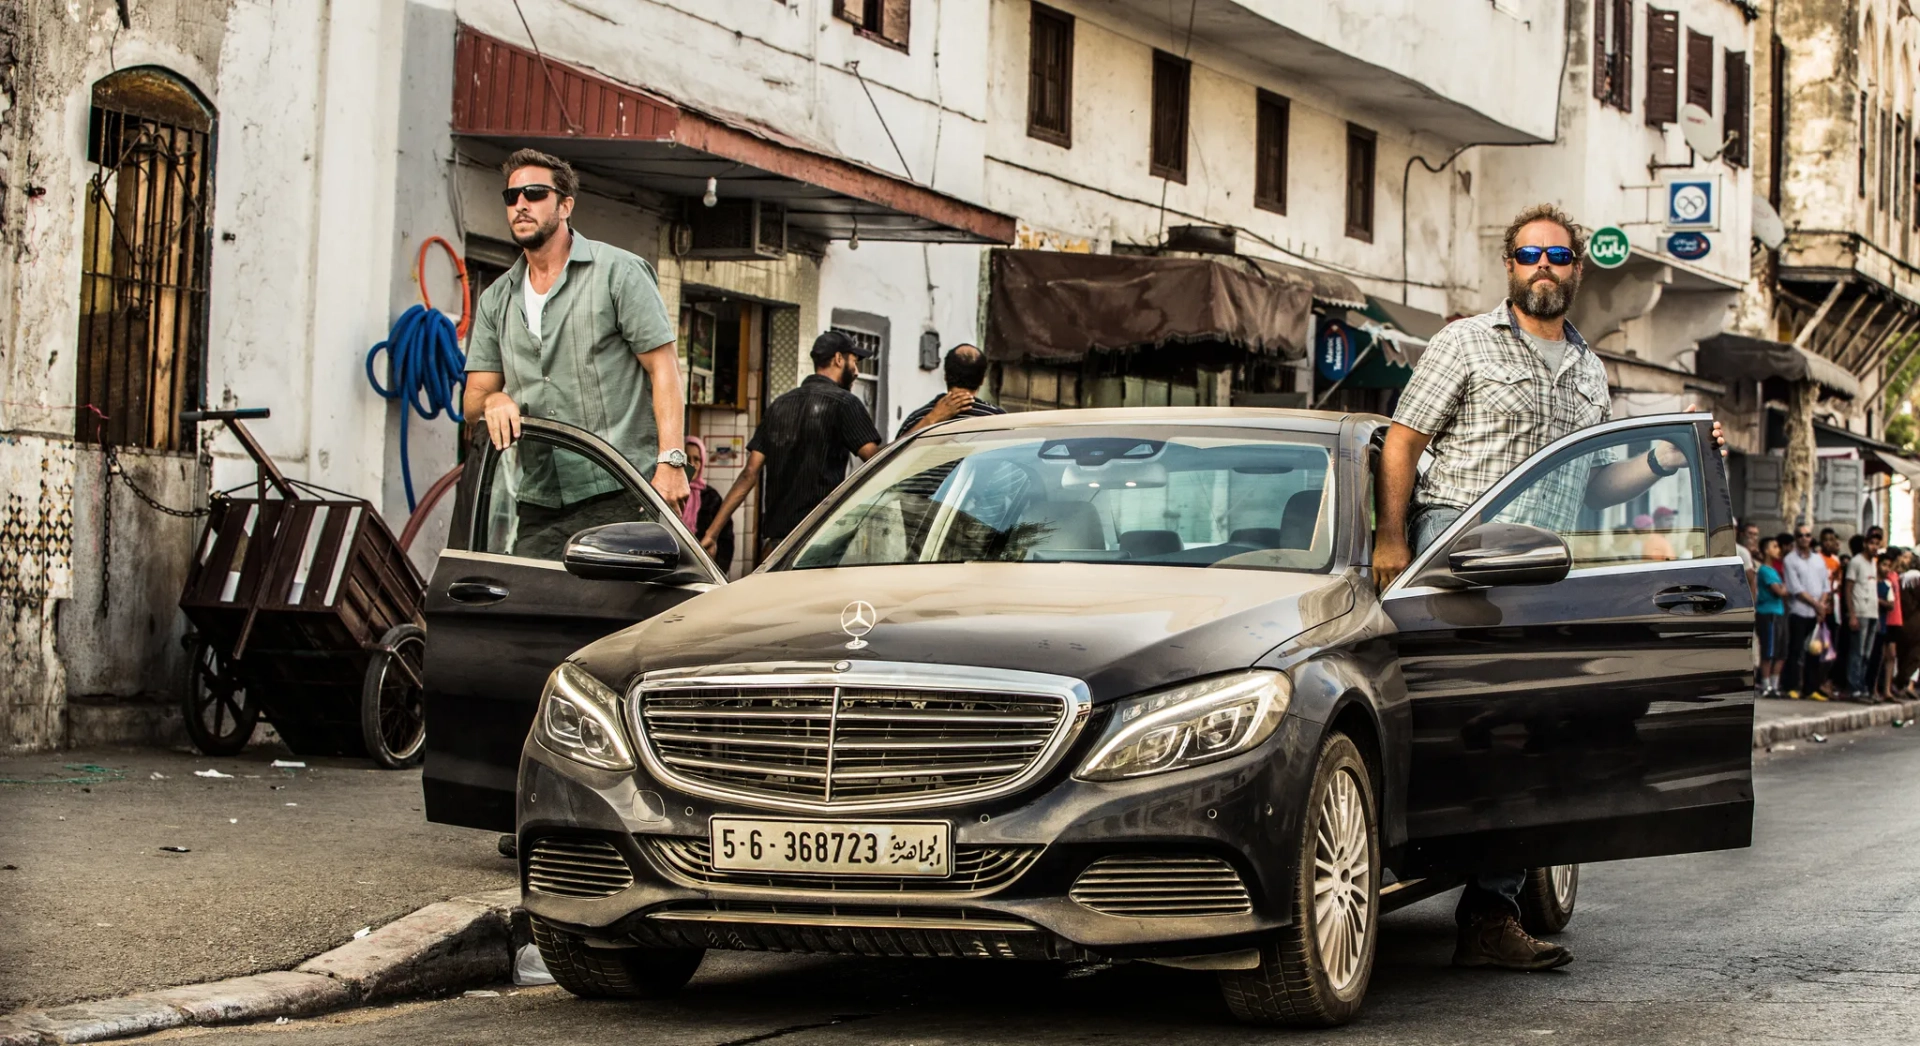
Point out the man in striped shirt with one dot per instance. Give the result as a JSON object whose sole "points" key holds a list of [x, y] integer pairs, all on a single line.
{"points": [[966, 371]]}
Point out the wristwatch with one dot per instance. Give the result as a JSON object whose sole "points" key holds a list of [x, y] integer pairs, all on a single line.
{"points": [[1653, 462], [675, 457]]}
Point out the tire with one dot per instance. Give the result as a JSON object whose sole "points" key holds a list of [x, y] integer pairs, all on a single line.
{"points": [[218, 716], [1547, 898], [612, 973], [1295, 984], [393, 712]]}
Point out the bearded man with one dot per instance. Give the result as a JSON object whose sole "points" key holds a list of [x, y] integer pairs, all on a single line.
{"points": [[576, 332], [1488, 392]]}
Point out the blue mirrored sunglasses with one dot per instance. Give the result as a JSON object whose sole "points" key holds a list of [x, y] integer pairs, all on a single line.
{"points": [[1531, 255]]}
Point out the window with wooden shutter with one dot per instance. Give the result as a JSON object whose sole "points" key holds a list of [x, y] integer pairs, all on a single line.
{"points": [[1886, 125], [1860, 146], [1361, 145], [1700, 70], [1171, 77], [1270, 152], [1663, 66], [1613, 53], [1776, 121], [1737, 120], [1050, 77], [883, 21]]}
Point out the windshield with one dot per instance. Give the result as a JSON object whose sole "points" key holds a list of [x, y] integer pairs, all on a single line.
{"points": [[1196, 498]]}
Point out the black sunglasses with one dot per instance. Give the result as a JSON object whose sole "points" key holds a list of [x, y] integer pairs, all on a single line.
{"points": [[533, 193], [1531, 255]]}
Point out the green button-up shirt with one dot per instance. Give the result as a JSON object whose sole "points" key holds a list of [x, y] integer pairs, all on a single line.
{"points": [[584, 366]]}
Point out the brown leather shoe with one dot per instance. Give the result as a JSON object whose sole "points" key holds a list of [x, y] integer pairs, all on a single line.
{"points": [[1498, 941]]}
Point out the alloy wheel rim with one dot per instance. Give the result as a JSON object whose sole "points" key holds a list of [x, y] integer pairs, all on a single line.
{"points": [[1342, 875], [1563, 879]]}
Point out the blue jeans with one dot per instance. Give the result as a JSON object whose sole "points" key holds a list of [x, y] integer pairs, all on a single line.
{"points": [[1487, 893], [1860, 653]]}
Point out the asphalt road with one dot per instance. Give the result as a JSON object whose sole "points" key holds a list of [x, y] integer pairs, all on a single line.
{"points": [[1806, 937], [280, 865]]}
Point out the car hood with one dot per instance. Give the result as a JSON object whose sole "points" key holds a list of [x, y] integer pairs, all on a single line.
{"points": [[1118, 628]]}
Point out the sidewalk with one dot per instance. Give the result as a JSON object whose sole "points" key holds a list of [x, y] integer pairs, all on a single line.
{"points": [[1776, 719], [281, 865]]}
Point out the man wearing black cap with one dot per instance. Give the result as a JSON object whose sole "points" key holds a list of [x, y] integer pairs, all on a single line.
{"points": [[803, 442]]}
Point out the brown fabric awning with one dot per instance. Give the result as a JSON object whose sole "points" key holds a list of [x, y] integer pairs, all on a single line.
{"points": [[1047, 305], [1736, 357]]}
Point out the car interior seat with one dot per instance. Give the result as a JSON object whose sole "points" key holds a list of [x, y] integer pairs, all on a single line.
{"points": [[1068, 524], [1143, 544], [1298, 518]]}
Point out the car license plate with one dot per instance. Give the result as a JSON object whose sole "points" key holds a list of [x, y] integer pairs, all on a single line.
{"points": [[837, 847]]}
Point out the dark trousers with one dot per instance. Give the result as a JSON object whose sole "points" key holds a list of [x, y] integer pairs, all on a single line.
{"points": [[1798, 675]]}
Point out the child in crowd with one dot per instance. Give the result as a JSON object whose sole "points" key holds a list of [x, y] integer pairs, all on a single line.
{"points": [[1769, 617]]}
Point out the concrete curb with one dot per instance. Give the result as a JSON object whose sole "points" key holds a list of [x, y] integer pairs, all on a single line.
{"points": [[1834, 721], [442, 947]]}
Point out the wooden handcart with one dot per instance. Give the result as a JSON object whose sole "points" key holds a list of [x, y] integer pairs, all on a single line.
{"points": [[305, 610]]}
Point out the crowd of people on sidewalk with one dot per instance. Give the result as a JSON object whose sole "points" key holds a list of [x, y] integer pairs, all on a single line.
{"points": [[1833, 625]]}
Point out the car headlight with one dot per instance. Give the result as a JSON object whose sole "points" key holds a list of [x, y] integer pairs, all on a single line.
{"points": [[580, 719], [1190, 724]]}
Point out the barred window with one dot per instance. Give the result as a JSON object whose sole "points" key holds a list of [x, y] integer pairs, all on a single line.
{"points": [[147, 235]]}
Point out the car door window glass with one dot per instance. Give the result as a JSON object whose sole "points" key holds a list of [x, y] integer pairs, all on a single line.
{"points": [[1662, 522], [539, 493]]}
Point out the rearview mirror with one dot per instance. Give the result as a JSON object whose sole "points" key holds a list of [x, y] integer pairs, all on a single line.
{"points": [[1509, 554], [623, 552]]}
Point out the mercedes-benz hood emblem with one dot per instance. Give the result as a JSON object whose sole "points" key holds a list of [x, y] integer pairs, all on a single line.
{"points": [[857, 620]]}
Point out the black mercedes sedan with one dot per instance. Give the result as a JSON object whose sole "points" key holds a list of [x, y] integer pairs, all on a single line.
{"points": [[1087, 686]]}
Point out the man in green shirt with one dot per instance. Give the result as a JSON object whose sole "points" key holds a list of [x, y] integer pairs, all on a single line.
{"points": [[575, 332]]}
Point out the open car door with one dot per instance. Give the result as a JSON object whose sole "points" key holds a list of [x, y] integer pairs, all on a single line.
{"points": [[1605, 715], [502, 611]]}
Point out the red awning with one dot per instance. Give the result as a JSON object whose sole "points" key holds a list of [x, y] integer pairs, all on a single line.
{"points": [[511, 96]]}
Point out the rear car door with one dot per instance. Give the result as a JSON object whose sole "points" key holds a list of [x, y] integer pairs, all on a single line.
{"points": [[1605, 716], [502, 611]]}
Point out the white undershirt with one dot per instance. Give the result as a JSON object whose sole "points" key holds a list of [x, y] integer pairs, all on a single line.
{"points": [[535, 302]]}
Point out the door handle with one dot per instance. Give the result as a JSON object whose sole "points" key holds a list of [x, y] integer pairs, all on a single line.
{"points": [[478, 592], [1692, 600]]}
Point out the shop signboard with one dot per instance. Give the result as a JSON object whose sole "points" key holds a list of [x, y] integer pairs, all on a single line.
{"points": [[1689, 246], [1333, 351], [1608, 247], [1691, 203]]}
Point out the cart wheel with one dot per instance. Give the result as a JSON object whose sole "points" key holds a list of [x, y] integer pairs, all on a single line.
{"points": [[393, 710], [219, 717]]}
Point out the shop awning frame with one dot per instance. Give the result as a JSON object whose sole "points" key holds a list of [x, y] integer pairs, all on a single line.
{"points": [[514, 97], [1736, 357]]}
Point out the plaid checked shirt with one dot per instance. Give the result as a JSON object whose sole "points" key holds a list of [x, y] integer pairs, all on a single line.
{"points": [[1485, 398]]}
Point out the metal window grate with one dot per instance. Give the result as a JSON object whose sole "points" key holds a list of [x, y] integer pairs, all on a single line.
{"points": [[147, 239]]}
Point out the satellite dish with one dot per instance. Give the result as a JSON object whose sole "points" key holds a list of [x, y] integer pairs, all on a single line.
{"points": [[1696, 126], [1767, 226]]}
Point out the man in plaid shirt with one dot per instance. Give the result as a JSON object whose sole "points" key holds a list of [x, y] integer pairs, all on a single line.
{"points": [[1490, 391]]}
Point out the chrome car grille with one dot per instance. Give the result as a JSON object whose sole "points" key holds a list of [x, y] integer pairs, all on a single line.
{"points": [[577, 868], [1162, 885], [838, 742], [976, 869]]}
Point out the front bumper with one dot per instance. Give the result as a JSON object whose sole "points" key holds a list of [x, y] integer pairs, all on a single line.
{"points": [[1243, 811]]}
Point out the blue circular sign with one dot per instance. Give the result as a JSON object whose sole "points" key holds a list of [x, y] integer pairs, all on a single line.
{"points": [[1333, 354], [1690, 246]]}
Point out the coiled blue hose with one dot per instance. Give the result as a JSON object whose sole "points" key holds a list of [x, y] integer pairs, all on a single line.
{"points": [[423, 359]]}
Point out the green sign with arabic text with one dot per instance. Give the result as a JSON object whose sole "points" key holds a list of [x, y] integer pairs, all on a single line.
{"points": [[1608, 247]]}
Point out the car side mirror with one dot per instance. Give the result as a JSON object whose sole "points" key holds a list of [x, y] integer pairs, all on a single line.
{"points": [[1509, 554], [623, 552]]}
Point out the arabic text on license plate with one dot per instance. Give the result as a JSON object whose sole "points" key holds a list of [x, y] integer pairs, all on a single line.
{"points": [[922, 848]]}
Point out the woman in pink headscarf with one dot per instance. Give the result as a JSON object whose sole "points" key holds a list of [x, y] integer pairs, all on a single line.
{"points": [[703, 503]]}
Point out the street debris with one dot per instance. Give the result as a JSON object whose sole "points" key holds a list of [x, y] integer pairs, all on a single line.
{"points": [[233, 820], [9, 867], [288, 764], [1901, 722], [279, 1020], [293, 804], [85, 774], [362, 932], [211, 773], [529, 968], [156, 776], [1820, 739], [479, 993], [1784, 748], [177, 849]]}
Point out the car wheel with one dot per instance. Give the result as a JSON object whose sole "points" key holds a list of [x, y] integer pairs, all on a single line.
{"points": [[1546, 898], [1316, 973], [612, 973]]}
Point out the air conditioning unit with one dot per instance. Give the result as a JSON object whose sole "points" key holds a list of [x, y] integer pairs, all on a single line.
{"points": [[737, 230]]}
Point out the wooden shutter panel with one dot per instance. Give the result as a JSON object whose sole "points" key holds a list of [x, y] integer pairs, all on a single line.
{"points": [[896, 20], [1700, 70], [1602, 60], [1763, 488], [1738, 121], [1623, 55], [854, 11], [1663, 66]]}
